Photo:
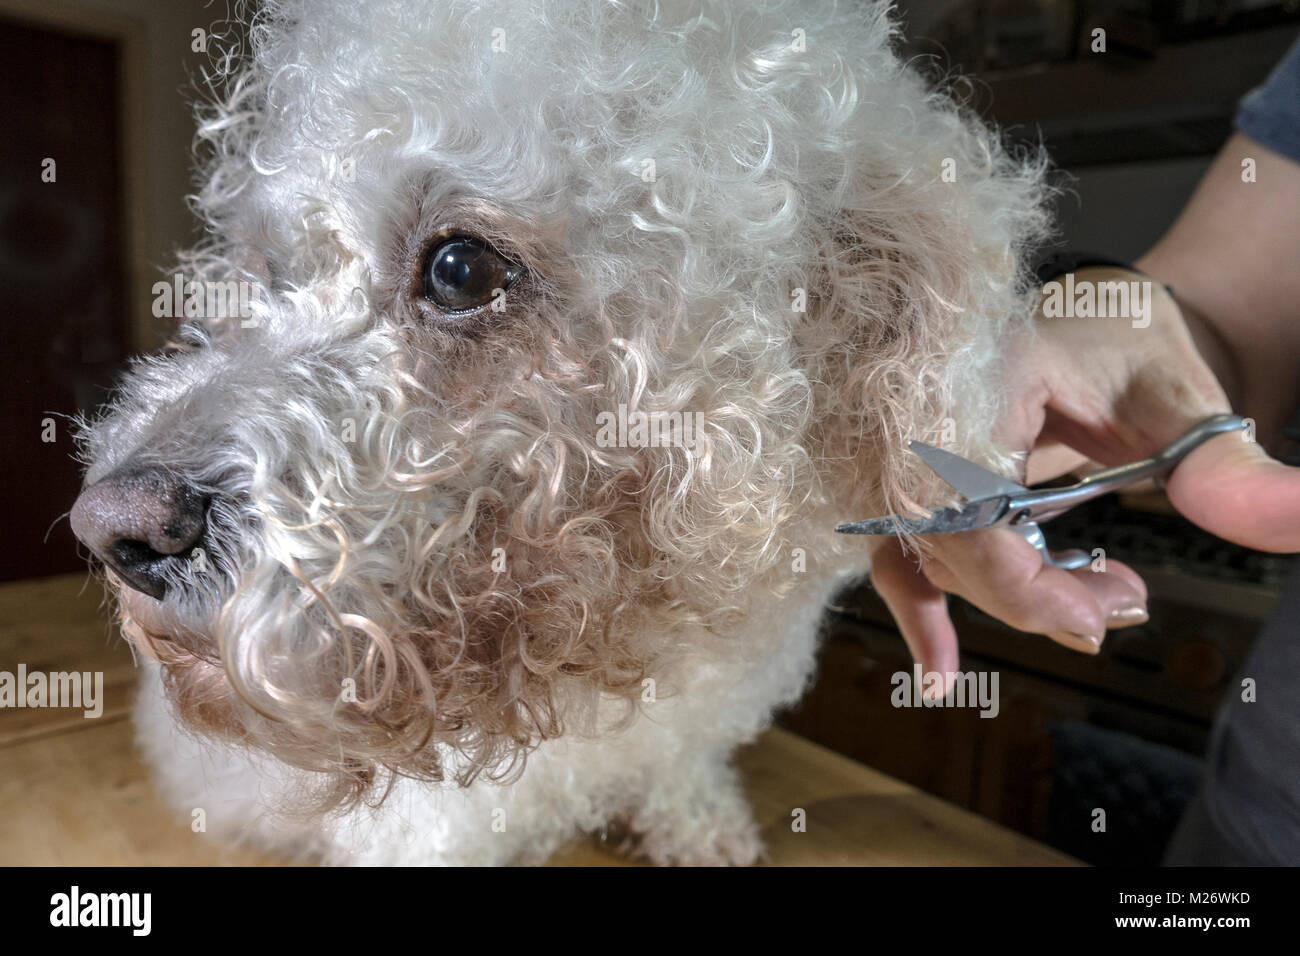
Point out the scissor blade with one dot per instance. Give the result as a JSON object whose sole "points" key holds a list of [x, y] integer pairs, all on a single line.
{"points": [[965, 477], [972, 515]]}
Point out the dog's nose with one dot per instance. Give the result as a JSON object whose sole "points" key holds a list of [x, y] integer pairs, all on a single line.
{"points": [[139, 521]]}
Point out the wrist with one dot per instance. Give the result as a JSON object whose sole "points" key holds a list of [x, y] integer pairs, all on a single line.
{"points": [[1212, 342], [1168, 309], [1215, 349]]}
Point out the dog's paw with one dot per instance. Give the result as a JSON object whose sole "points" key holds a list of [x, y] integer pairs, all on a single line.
{"points": [[692, 814], [676, 842], [736, 846]]}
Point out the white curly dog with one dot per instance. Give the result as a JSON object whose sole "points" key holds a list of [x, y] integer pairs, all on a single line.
{"points": [[503, 512]]}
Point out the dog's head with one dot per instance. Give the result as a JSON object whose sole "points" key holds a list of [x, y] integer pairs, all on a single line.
{"points": [[522, 333]]}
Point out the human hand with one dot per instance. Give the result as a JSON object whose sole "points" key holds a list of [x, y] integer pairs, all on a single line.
{"points": [[1091, 390]]}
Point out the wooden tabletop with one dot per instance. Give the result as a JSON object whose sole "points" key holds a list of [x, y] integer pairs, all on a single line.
{"points": [[74, 791]]}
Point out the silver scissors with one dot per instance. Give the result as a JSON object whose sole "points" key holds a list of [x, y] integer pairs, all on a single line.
{"points": [[993, 501]]}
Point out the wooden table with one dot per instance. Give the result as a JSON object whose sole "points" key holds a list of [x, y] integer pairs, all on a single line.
{"points": [[74, 791]]}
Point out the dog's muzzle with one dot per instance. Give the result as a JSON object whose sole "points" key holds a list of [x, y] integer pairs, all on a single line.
{"points": [[142, 522]]}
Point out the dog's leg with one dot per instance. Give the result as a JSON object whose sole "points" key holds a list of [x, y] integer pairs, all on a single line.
{"points": [[484, 824], [694, 813], [687, 805]]}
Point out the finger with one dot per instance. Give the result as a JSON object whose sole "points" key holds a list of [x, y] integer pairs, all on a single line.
{"points": [[1119, 590], [1050, 459], [919, 609], [1004, 575], [1233, 489]]}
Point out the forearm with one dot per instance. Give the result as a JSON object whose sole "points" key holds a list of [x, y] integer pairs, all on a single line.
{"points": [[1231, 259]]}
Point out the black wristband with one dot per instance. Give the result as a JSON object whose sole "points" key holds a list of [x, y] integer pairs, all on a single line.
{"points": [[1072, 260]]}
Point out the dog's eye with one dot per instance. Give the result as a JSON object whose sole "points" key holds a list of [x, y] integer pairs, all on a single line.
{"points": [[463, 273]]}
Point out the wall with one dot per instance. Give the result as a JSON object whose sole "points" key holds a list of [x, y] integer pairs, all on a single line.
{"points": [[160, 72]]}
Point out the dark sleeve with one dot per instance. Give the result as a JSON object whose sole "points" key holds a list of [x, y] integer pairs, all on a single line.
{"points": [[1270, 113]]}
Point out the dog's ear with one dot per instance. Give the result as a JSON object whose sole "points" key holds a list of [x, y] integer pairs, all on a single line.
{"points": [[920, 282]]}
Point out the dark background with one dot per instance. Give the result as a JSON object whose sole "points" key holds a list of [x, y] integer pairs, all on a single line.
{"points": [[99, 87]]}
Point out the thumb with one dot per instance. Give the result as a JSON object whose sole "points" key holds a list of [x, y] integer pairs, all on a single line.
{"points": [[1233, 489]]}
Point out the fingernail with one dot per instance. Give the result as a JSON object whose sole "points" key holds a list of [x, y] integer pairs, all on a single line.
{"points": [[1085, 643], [1127, 616]]}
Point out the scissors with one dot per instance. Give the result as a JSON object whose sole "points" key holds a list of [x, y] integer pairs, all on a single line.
{"points": [[993, 501]]}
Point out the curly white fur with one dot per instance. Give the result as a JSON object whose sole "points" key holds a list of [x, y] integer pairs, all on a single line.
{"points": [[366, 460]]}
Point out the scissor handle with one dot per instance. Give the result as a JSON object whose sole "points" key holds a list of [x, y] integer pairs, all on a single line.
{"points": [[1048, 503], [1065, 560]]}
